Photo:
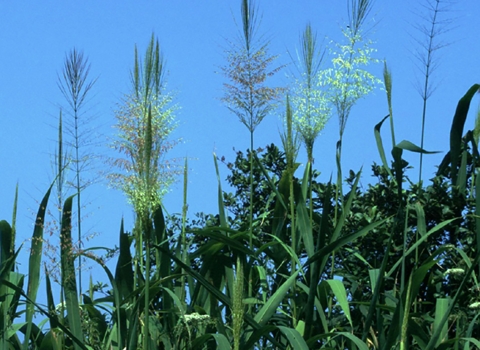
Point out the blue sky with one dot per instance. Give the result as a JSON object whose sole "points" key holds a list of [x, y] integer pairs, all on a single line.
{"points": [[35, 36]]}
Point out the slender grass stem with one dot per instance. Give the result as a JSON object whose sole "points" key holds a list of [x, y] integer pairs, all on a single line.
{"points": [[184, 233]]}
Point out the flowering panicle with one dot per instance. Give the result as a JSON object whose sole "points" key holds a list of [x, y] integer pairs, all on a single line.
{"points": [[349, 81]]}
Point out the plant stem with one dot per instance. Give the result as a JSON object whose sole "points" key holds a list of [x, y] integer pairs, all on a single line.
{"points": [[426, 88], [184, 220]]}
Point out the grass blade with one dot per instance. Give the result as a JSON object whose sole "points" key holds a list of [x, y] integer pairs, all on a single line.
{"points": [[221, 207], [68, 271], [267, 310], [14, 218], [456, 131], [340, 242], [6, 239], [441, 308], [34, 264], [338, 290], [381, 151], [294, 338], [123, 270]]}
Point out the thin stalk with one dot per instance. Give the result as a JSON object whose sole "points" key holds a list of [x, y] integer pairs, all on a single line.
{"points": [[238, 307], [290, 145], [79, 209], [291, 153], [138, 261], [294, 248], [250, 214], [147, 227], [75, 87], [14, 219], [429, 65], [60, 171], [184, 222], [404, 345], [145, 331]]}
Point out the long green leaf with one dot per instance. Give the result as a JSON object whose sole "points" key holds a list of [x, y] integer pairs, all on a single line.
{"points": [[303, 224], [381, 151], [417, 243], [340, 293], [11, 299], [471, 340], [267, 310], [456, 131], [220, 339], [50, 300], [231, 240], [14, 218], [358, 342], [421, 223], [294, 338], [289, 251], [328, 249], [68, 271], [441, 308], [124, 271], [51, 341], [408, 146], [306, 176], [462, 173], [377, 287], [34, 263], [221, 207], [6, 237], [318, 306], [163, 265]]}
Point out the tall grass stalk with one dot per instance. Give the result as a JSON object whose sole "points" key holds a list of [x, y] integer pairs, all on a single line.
{"points": [[184, 246], [145, 220], [291, 147], [246, 95], [238, 308], [247, 70], [68, 272], [311, 108], [430, 28], [348, 81], [145, 121], [75, 85]]}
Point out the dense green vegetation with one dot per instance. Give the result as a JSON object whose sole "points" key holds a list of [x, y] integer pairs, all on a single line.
{"points": [[287, 261]]}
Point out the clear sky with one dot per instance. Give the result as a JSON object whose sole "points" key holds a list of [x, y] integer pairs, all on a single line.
{"points": [[36, 35]]}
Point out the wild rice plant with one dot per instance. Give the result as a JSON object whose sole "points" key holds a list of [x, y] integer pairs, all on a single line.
{"points": [[431, 28], [249, 65], [75, 85]]}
